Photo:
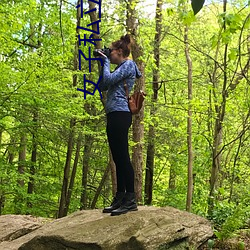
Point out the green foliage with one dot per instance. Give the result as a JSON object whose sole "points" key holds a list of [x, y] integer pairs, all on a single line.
{"points": [[222, 210], [241, 245], [210, 244], [235, 220]]}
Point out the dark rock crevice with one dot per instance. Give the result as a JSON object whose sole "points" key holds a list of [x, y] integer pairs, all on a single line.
{"points": [[56, 243], [18, 233]]}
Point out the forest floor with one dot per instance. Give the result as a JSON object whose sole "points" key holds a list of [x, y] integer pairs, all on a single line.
{"points": [[240, 242]]}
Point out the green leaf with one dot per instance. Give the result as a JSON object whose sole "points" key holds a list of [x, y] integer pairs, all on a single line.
{"points": [[233, 54], [188, 17], [197, 5]]}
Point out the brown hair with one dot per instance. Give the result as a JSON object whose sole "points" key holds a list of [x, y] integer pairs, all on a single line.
{"points": [[124, 43]]}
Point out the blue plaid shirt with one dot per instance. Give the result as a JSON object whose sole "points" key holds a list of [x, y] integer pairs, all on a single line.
{"points": [[113, 82]]}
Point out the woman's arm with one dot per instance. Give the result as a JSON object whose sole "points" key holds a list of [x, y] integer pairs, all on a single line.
{"points": [[124, 71], [102, 86]]}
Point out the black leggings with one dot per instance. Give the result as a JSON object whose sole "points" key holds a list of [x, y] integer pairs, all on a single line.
{"points": [[118, 123]]}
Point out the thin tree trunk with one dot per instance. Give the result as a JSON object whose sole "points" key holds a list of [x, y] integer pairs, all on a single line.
{"points": [[93, 18], [172, 170], [218, 127], [137, 126], [21, 159], [85, 169], [245, 122], [33, 156], [35, 113], [172, 178], [1, 135], [62, 205], [2, 201], [89, 139], [19, 199], [99, 189], [73, 174], [234, 168], [189, 125], [217, 142], [34, 145], [11, 154], [1, 180], [64, 191], [151, 134]]}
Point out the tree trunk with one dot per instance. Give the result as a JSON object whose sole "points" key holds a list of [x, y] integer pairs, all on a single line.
{"points": [[73, 174], [33, 156], [19, 199], [85, 169], [151, 134], [137, 126], [93, 18], [1, 135], [1, 180], [35, 112], [217, 142], [172, 178], [62, 205], [21, 159], [172, 170], [189, 125], [99, 189], [64, 191], [2, 200], [11, 154]]}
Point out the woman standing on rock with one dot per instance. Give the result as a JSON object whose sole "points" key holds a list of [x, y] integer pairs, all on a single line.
{"points": [[119, 120]]}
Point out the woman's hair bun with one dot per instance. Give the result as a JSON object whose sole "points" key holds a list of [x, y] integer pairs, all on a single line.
{"points": [[124, 43], [126, 39]]}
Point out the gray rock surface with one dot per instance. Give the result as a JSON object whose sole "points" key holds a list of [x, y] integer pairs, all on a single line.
{"points": [[147, 229], [15, 226]]}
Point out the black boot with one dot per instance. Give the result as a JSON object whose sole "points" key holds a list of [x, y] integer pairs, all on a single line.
{"points": [[128, 204], [116, 203]]}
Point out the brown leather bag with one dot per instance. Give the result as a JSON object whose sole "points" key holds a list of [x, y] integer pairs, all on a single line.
{"points": [[135, 101]]}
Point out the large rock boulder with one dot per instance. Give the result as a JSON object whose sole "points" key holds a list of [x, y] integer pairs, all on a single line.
{"points": [[15, 226], [147, 229]]}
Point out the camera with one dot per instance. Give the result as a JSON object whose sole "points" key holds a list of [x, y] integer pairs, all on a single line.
{"points": [[106, 51]]}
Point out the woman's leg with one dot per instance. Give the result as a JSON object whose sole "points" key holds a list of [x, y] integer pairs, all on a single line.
{"points": [[118, 124]]}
